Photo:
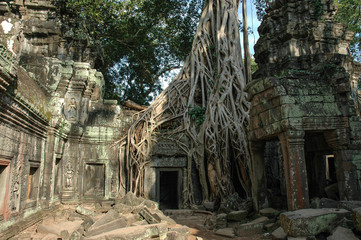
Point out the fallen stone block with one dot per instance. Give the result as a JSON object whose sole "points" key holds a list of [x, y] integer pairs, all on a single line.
{"points": [[110, 226], [349, 205], [310, 222], [58, 228], [122, 208], [279, 234], [108, 217], [226, 232], [83, 211], [270, 227], [77, 234], [75, 217], [176, 236], [248, 229], [328, 203], [130, 199], [184, 230], [131, 218], [64, 234], [237, 216], [356, 217], [149, 216], [221, 220], [263, 220], [341, 233], [138, 223], [269, 212], [136, 232]]}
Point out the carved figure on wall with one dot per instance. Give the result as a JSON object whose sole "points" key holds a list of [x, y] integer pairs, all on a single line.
{"points": [[16, 195], [69, 175], [72, 109]]}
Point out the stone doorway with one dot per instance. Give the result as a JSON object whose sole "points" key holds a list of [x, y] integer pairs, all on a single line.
{"points": [[169, 188], [320, 164], [4, 177], [94, 181], [33, 181]]}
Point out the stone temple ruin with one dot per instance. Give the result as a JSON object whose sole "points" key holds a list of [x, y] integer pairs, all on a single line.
{"points": [[58, 136], [304, 103], [57, 133]]}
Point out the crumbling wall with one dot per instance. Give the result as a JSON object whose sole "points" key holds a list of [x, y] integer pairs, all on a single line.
{"points": [[305, 92], [57, 133]]}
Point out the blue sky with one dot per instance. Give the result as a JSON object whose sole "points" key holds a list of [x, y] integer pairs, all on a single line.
{"points": [[252, 22], [252, 37]]}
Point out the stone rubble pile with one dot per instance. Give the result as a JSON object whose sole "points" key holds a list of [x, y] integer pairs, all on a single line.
{"points": [[126, 218], [334, 221]]}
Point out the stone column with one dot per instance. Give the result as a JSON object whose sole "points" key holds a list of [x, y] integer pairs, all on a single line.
{"points": [[292, 143], [258, 176], [346, 171]]}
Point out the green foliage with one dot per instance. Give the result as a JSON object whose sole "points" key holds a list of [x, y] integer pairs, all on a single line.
{"points": [[317, 6], [142, 41], [349, 13], [197, 114]]}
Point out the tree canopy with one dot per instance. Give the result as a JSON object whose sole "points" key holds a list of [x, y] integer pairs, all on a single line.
{"points": [[142, 41]]}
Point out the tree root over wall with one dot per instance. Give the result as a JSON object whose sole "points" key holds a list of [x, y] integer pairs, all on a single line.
{"points": [[203, 110]]}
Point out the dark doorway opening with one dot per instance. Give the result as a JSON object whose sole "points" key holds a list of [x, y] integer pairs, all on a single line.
{"points": [[321, 171], [168, 189]]}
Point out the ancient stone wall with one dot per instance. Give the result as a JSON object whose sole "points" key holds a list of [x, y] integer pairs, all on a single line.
{"points": [[57, 133], [305, 95]]}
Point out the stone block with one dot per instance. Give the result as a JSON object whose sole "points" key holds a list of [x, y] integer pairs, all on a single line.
{"points": [[248, 229], [122, 208], [84, 211], [356, 217], [270, 227], [108, 227], [111, 215], [226, 232], [75, 217], [279, 234], [269, 212], [237, 216], [328, 203], [310, 222], [136, 232], [184, 230], [221, 220], [175, 236], [251, 228], [138, 223], [349, 205], [341, 233]]}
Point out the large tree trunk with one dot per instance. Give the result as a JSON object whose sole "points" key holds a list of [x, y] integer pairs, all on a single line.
{"points": [[204, 110]]}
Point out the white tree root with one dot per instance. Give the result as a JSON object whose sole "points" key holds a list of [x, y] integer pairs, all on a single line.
{"points": [[211, 82]]}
